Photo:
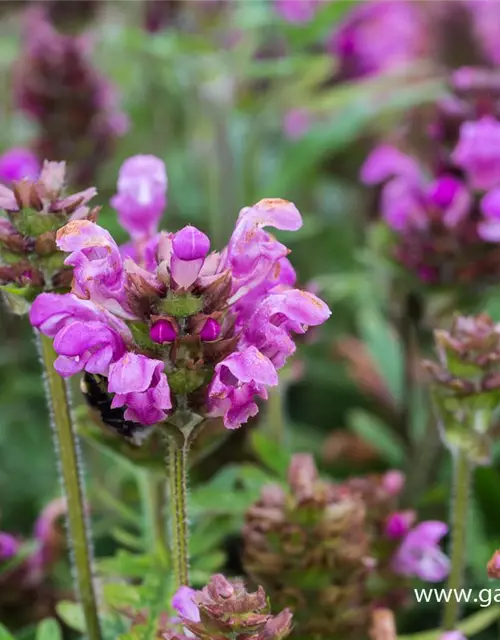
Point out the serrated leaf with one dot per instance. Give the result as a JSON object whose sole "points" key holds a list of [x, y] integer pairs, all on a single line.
{"points": [[71, 613], [48, 630], [376, 433]]}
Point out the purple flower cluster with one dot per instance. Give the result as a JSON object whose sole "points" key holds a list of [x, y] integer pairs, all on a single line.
{"points": [[168, 323], [362, 44], [446, 216], [74, 105], [33, 569]]}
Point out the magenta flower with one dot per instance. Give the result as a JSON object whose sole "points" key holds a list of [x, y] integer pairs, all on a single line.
{"points": [[419, 554], [237, 380], [184, 603], [92, 346], [361, 42], [452, 635], [297, 11], [97, 264], [385, 162], [139, 382], [9, 546], [141, 197], [19, 163], [489, 227], [398, 524], [478, 152], [173, 324]]}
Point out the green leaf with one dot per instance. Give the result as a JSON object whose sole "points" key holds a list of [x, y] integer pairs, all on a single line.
{"points": [[5, 634], [383, 346], [376, 433], [121, 595], [72, 614], [270, 453], [48, 630]]}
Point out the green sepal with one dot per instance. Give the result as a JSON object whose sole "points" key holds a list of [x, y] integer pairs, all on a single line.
{"points": [[185, 381], [181, 306], [33, 223], [50, 263]]}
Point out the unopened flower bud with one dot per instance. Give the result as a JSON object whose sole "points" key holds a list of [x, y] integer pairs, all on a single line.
{"points": [[493, 566], [210, 331], [302, 474], [393, 482], [162, 331], [398, 524], [190, 244]]}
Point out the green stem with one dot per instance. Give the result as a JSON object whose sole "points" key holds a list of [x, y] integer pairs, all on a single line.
{"points": [[70, 465], [153, 498], [276, 424], [459, 512], [177, 477]]}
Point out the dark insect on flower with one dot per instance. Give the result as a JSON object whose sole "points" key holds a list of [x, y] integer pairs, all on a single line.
{"points": [[93, 388]]}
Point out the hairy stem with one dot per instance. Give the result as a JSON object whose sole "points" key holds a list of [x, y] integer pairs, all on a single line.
{"points": [[153, 498], [179, 529], [68, 451], [459, 512]]}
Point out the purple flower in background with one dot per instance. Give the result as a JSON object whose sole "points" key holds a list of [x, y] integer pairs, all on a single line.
{"points": [[141, 198], [75, 107], [362, 44], [167, 321], [478, 152], [296, 123], [183, 602], [297, 11], [385, 162], [18, 163], [489, 227], [452, 635], [419, 554], [9, 546]]}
